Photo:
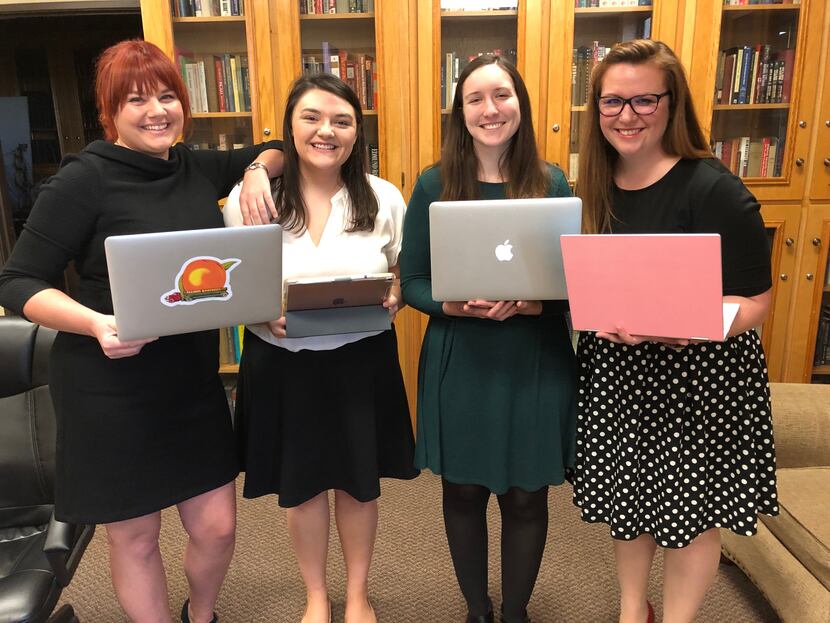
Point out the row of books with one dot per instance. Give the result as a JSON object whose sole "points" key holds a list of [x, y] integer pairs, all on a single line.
{"points": [[359, 71], [318, 7], [206, 8], [454, 64], [481, 5], [216, 83], [230, 344], [822, 356], [590, 4], [749, 2], [754, 75], [582, 64], [751, 157], [224, 142]]}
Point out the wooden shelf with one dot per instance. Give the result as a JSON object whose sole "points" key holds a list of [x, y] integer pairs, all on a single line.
{"points": [[761, 7], [229, 368], [479, 14], [751, 106], [579, 108], [605, 11], [209, 20], [335, 16], [222, 115], [822, 370]]}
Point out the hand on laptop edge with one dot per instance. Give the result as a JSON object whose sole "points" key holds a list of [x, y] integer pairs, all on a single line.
{"points": [[492, 310], [623, 337]]}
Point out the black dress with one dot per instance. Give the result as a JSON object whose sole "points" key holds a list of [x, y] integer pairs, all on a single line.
{"points": [[674, 443], [137, 434]]}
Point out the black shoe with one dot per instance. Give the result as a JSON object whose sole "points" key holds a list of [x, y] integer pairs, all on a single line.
{"points": [[481, 618], [186, 614]]}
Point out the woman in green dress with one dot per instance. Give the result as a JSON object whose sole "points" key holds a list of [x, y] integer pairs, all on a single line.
{"points": [[496, 379]]}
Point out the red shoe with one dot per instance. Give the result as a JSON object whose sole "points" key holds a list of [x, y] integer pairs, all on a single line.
{"points": [[650, 618]]}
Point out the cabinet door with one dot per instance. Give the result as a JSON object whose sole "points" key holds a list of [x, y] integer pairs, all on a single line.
{"points": [[580, 35], [451, 33], [808, 351], [217, 56], [753, 84], [820, 184], [782, 224]]}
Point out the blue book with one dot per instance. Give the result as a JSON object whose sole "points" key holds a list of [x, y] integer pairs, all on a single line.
{"points": [[746, 75], [326, 57]]}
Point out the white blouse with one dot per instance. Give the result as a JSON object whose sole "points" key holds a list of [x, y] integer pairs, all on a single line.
{"points": [[338, 253]]}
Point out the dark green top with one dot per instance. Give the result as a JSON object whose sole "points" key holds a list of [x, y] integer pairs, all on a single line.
{"points": [[495, 399]]}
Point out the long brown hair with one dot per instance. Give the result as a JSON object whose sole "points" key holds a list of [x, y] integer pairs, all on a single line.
{"points": [[683, 136], [363, 203], [525, 172]]}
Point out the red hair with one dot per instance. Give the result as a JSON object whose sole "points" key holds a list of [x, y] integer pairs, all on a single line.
{"points": [[129, 65]]}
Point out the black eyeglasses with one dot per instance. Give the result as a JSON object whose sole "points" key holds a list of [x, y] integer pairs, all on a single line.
{"points": [[646, 104]]}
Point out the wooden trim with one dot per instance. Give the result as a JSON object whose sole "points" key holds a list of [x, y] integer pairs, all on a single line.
{"points": [[157, 22]]}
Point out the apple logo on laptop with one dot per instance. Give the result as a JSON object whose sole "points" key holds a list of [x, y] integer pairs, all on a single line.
{"points": [[504, 251]]}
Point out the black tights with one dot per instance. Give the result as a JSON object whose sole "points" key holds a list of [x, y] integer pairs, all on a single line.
{"points": [[524, 519]]}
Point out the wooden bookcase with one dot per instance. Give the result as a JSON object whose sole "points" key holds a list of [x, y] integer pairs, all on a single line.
{"points": [[409, 40]]}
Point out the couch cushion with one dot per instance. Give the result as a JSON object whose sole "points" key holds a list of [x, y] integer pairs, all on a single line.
{"points": [[802, 526]]}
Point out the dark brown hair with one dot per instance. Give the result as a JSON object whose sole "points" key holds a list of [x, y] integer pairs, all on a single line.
{"points": [[526, 174], [683, 136], [134, 64], [288, 196]]}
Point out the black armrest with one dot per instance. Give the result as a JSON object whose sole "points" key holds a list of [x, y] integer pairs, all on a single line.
{"points": [[64, 546]]}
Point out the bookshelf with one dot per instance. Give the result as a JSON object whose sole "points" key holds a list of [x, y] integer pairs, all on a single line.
{"points": [[590, 28], [409, 40], [214, 48]]}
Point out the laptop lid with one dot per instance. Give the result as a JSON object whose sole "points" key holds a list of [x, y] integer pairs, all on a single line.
{"points": [[666, 285], [496, 250], [177, 282]]}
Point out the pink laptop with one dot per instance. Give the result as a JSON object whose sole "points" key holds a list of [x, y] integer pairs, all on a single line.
{"points": [[666, 285]]}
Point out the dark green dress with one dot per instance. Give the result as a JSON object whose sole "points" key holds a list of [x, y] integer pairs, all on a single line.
{"points": [[495, 399]]}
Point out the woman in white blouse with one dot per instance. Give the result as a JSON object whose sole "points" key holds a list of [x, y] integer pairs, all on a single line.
{"points": [[330, 412]]}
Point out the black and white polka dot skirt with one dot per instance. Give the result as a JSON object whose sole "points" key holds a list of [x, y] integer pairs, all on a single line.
{"points": [[674, 443]]}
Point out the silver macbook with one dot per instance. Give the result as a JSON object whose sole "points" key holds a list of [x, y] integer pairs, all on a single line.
{"points": [[182, 281], [500, 250]]}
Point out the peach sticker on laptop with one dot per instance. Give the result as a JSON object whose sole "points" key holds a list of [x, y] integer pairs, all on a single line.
{"points": [[201, 279]]}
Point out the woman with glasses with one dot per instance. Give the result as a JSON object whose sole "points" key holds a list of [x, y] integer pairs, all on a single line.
{"points": [[674, 439]]}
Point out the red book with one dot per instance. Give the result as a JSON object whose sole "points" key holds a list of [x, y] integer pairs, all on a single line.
{"points": [[344, 59], [220, 83]]}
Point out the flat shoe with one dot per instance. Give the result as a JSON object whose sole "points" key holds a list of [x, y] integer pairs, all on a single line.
{"points": [[186, 613]]}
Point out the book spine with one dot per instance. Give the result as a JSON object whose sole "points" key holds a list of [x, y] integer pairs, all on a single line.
{"points": [[220, 84]]}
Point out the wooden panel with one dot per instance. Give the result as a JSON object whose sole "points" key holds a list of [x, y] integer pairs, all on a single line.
{"points": [[285, 59], [157, 23], [263, 99], [820, 158], [784, 221], [560, 46], [65, 98], [809, 279]]}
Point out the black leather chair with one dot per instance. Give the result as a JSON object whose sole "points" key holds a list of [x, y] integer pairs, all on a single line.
{"points": [[38, 555]]}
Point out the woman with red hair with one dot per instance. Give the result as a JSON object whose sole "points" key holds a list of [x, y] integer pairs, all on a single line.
{"points": [[143, 424]]}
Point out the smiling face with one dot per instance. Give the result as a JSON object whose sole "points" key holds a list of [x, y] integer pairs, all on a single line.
{"points": [[490, 107], [150, 122], [324, 128], [633, 135]]}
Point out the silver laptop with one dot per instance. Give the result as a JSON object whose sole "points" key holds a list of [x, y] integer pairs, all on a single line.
{"points": [[500, 250], [182, 281]]}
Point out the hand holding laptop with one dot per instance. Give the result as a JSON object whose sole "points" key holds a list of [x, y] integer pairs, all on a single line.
{"points": [[493, 310]]}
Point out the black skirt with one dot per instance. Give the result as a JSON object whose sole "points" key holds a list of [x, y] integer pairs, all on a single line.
{"points": [[138, 434], [310, 421]]}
